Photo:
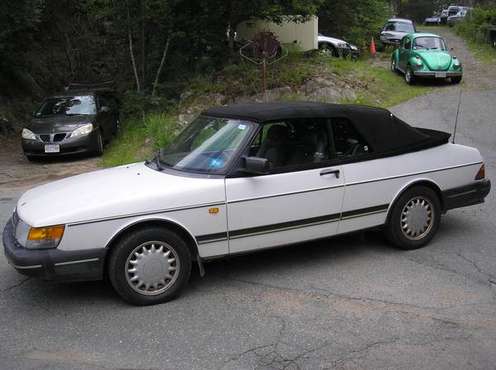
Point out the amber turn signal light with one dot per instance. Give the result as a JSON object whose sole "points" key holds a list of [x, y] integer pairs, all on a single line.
{"points": [[46, 233], [481, 174]]}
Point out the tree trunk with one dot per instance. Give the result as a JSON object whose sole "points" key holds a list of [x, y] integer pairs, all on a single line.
{"points": [[143, 46], [162, 62], [131, 51]]}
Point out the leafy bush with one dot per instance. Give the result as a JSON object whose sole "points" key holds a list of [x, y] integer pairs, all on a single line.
{"points": [[475, 26]]}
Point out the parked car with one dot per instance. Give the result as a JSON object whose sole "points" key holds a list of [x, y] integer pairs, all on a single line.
{"points": [[435, 20], [458, 17], [242, 178], [444, 16], [395, 29], [75, 121], [425, 55], [337, 47]]}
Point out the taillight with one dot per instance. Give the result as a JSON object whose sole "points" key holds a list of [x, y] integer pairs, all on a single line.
{"points": [[481, 174]]}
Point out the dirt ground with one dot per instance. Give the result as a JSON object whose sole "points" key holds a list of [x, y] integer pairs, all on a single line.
{"points": [[17, 172]]}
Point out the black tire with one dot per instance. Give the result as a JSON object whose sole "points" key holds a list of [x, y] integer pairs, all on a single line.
{"points": [[30, 158], [394, 68], [99, 143], [328, 49], [407, 209], [409, 76], [121, 259], [456, 80]]}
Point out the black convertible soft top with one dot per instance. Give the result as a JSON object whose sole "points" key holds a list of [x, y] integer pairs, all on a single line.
{"points": [[384, 132]]}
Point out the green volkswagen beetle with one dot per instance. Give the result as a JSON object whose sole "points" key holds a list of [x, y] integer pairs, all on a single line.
{"points": [[425, 55]]}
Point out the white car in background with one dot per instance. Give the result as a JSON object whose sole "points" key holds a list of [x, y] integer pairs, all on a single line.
{"points": [[337, 47], [243, 178], [395, 29]]}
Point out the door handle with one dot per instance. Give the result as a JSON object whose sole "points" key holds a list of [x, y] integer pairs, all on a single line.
{"points": [[330, 172]]}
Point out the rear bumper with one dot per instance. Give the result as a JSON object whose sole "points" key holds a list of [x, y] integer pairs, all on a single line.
{"points": [[82, 144], [432, 74], [466, 195], [53, 264]]}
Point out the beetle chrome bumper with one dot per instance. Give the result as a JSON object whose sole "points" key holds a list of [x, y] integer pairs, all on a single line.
{"points": [[53, 264], [434, 74]]}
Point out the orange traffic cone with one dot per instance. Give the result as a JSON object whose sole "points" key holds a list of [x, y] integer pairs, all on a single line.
{"points": [[373, 50]]}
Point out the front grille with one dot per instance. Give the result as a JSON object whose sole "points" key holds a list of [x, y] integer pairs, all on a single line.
{"points": [[53, 138], [58, 137]]}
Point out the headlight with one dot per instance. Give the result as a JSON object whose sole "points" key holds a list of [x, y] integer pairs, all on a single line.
{"points": [[83, 130], [28, 134], [418, 60]]}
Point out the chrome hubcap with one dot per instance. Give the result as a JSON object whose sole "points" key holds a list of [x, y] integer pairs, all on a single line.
{"points": [[408, 76], [417, 218], [152, 268]]}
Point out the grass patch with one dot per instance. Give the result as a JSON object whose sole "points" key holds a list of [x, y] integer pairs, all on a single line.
{"points": [[482, 52], [138, 140], [378, 85]]}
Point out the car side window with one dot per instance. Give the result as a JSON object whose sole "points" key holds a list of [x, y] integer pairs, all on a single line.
{"points": [[348, 143], [408, 43], [293, 143]]}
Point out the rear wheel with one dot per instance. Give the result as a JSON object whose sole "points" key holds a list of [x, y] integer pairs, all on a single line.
{"points": [[414, 218], [150, 266], [409, 76]]}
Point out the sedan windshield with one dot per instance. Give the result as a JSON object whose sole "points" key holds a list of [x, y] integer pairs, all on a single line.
{"points": [[399, 27], [428, 43], [68, 106], [208, 145]]}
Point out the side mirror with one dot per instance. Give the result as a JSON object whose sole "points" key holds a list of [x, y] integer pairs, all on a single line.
{"points": [[256, 165], [104, 109]]}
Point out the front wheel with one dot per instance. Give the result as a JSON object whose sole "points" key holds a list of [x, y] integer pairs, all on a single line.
{"points": [[414, 218], [99, 143], [409, 76], [394, 69], [456, 80], [149, 266]]}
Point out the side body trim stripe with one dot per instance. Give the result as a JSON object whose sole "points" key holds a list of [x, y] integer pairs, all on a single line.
{"points": [[289, 225]]}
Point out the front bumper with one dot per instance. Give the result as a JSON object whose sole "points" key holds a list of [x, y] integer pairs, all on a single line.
{"points": [[467, 195], [81, 144], [53, 264], [432, 74]]}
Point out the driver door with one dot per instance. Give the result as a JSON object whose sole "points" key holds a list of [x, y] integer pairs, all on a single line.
{"points": [[300, 199], [404, 52]]}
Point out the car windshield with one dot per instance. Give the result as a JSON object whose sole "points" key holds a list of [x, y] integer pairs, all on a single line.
{"points": [[399, 27], [68, 106], [429, 43], [207, 145]]}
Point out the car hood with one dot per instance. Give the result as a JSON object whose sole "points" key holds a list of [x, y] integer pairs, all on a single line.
{"points": [[119, 191], [436, 60], [394, 34], [335, 41], [59, 123]]}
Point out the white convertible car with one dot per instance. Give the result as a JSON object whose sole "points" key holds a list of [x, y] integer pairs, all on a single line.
{"points": [[243, 178]]}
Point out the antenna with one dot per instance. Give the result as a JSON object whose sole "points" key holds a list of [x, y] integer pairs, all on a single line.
{"points": [[457, 114]]}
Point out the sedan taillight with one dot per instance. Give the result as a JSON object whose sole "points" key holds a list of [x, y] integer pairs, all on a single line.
{"points": [[481, 174]]}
